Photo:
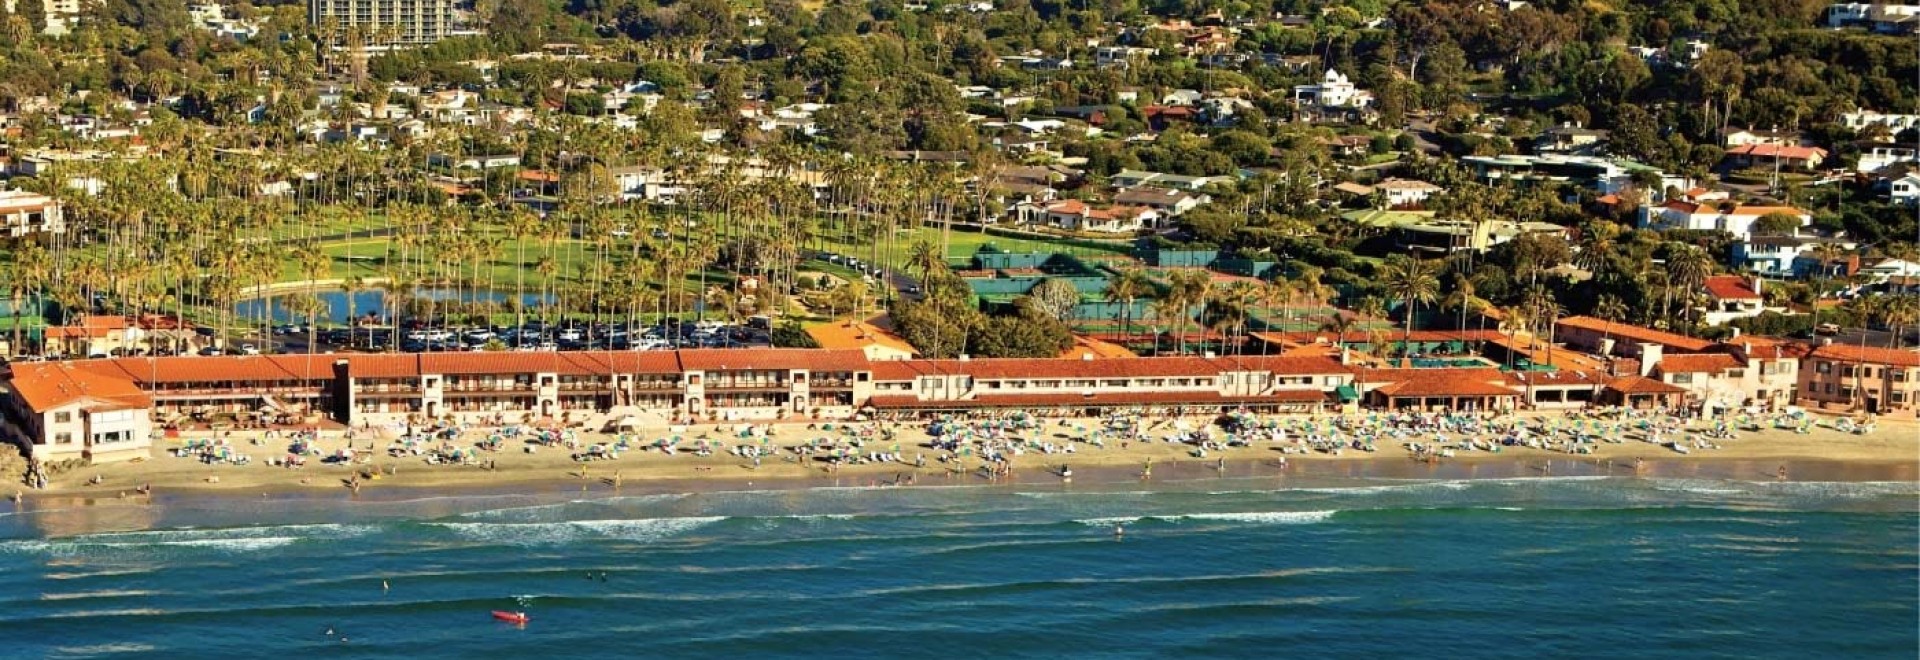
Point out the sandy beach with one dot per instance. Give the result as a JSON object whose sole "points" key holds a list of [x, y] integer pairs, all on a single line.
{"points": [[1891, 452]]}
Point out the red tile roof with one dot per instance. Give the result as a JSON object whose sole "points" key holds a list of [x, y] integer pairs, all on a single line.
{"points": [[1636, 333], [1438, 382], [1153, 367], [1778, 151], [1643, 385], [44, 386], [812, 359], [1731, 287], [1164, 398], [1867, 354], [1701, 363], [192, 369]]}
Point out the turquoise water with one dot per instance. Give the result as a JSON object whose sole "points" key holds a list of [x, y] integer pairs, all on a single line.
{"points": [[1251, 568]]}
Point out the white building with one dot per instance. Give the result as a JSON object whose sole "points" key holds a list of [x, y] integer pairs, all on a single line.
{"points": [[1905, 190], [1406, 192], [1737, 220], [23, 213], [1878, 156], [1334, 91], [1895, 123]]}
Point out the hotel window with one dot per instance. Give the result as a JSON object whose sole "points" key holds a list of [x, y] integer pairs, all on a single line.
{"points": [[63, 438], [1682, 379], [1846, 371], [1829, 387], [1846, 392], [1897, 397], [1736, 373], [62, 417], [1824, 367], [1899, 375]]}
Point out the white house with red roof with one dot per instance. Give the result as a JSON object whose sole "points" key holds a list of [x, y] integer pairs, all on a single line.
{"points": [[1732, 297], [1076, 215]]}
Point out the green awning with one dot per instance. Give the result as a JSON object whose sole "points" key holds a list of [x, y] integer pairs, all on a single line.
{"points": [[1347, 393]]}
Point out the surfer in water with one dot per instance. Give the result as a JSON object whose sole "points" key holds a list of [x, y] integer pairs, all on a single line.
{"points": [[1119, 531]]}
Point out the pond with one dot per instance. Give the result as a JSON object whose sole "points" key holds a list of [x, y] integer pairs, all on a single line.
{"points": [[371, 300]]}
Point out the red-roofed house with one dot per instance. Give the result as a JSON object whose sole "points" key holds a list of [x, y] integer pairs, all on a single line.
{"points": [[57, 410], [1076, 215], [1732, 297]]}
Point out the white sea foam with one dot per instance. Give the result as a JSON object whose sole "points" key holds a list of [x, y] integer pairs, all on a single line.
{"points": [[1251, 517], [1263, 517], [640, 529], [83, 546]]}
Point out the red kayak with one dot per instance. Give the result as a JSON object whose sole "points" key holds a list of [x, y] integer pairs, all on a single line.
{"points": [[510, 617]]}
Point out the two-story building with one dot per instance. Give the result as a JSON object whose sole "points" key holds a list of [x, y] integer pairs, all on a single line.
{"points": [[57, 411], [1744, 377], [24, 214], [1732, 297]]}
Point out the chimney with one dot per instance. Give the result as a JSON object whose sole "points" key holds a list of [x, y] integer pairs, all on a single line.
{"points": [[1209, 355], [964, 357], [1649, 356], [1757, 286], [1736, 332], [1346, 356]]}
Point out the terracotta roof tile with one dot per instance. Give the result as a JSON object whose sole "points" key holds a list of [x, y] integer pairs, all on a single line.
{"points": [[1643, 385], [1867, 354], [1636, 333], [1439, 382], [857, 336], [1731, 287], [1709, 363], [47, 385]]}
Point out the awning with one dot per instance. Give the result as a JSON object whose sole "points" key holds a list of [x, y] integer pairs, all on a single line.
{"points": [[1347, 393]]}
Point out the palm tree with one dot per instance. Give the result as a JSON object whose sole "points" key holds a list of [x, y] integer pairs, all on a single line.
{"points": [[1189, 287], [1687, 270], [1462, 300], [925, 257], [1612, 309], [1125, 287], [1518, 317], [1412, 281], [1898, 312], [1340, 324], [1825, 254]]}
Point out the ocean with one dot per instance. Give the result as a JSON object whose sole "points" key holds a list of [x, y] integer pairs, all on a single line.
{"points": [[1229, 568]]}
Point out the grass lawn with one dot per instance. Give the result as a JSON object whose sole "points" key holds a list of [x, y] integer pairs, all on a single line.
{"points": [[962, 244]]}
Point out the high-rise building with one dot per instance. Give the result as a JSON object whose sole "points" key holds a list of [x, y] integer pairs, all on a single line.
{"points": [[384, 22]]}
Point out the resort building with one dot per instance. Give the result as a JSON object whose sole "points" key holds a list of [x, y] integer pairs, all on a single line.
{"points": [[1760, 379], [386, 22], [1846, 377], [24, 214], [1606, 338]]}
